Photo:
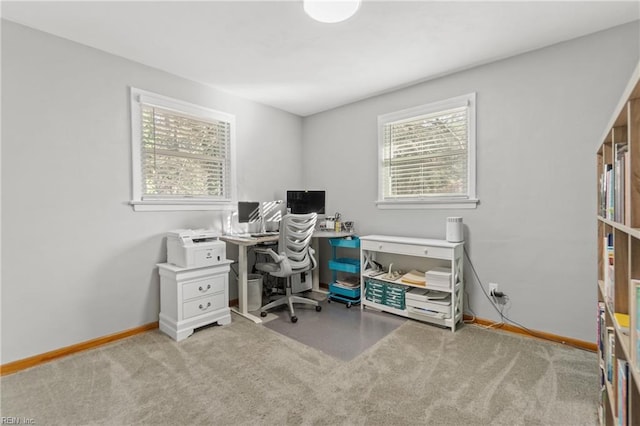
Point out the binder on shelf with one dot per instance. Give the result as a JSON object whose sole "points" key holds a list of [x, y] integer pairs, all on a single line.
{"points": [[627, 189], [608, 272], [623, 389], [601, 329], [610, 354], [622, 321], [619, 185], [635, 285]]}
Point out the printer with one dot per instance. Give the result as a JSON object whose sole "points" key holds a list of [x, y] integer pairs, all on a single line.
{"points": [[195, 248]]}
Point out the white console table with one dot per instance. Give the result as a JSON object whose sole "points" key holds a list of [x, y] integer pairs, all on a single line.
{"points": [[414, 253], [193, 297]]}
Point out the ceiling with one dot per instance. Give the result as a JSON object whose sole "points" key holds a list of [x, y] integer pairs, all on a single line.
{"points": [[272, 53]]}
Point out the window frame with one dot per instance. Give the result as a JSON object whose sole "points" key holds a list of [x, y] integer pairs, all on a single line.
{"points": [[168, 203], [468, 201]]}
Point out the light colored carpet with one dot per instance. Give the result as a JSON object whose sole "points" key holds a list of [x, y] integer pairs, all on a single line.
{"points": [[247, 374]]}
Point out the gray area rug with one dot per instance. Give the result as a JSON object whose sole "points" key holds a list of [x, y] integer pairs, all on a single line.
{"points": [[341, 332], [247, 374]]}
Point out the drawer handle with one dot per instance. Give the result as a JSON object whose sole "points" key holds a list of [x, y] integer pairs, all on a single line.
{"points": [[205, 289], [204, 308]]}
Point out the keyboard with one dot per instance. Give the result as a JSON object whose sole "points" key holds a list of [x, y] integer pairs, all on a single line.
{"points": [[263, 234]]}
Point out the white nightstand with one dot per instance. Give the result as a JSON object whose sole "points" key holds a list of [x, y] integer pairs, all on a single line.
{"points": [[193, 297]]}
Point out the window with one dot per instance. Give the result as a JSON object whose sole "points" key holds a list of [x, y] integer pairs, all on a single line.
{"points": [[183, 154], [427, 156]]}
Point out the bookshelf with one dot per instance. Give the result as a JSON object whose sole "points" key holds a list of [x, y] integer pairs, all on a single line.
{"points": [[618, 208]]}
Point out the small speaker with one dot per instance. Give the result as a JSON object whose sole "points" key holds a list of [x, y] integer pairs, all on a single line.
{"points": [[455, 232]]}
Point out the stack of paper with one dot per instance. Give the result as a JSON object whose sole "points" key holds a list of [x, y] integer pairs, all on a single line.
{"points": [[414, 277], [438, 277], [351, 281]]}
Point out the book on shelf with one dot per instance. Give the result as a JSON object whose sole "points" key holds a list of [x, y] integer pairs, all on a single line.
{"points": [[608, 272], [608, 181], [601, 323], [623, 390], [619, 173], [614, 187], [635, 285], [603, 190], [627, 189], [610, 354], [602, 407], [607, 191], [623, 322]]}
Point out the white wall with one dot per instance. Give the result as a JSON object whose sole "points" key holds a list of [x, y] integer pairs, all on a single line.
{"points": [[77, 261], [540, 117]]}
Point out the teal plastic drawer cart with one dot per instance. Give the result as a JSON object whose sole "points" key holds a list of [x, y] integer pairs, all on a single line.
{"points": [[345, 283]]}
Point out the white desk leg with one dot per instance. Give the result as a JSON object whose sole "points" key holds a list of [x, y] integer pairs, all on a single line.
{"points": [[242, 286]]}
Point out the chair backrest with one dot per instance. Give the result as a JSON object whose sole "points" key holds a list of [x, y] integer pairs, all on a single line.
{"points": [[295, 238]]}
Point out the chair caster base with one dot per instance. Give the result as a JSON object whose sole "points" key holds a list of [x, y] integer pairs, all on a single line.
{"points": [[263, 314], [318, 308], [294, 319]]}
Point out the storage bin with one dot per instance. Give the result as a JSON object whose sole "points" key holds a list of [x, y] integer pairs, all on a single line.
{"points": [[345, 265], [353, 293], [375, 284], [388, 294], [354, 242], [254, 292]]}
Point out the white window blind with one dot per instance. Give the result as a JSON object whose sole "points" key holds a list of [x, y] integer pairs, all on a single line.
{"points": [[183, 154], [428, 154]]}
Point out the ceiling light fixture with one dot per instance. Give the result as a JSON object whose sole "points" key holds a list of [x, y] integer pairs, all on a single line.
{"points": [[331, 11]]}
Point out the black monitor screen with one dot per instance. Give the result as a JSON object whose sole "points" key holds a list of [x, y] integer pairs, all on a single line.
{"points": [[248, 211], [301, 202]]}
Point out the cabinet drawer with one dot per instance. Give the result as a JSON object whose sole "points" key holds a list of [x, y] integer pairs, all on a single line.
{"points": [[210, 285], [203, 305], [408, 249]]}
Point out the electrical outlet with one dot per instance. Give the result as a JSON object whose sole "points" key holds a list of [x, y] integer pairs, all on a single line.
{"points": [[493, 287]]}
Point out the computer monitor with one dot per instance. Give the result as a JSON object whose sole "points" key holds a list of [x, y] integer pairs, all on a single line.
{"points": [[248, 211], [301, 202], [272, 210]]}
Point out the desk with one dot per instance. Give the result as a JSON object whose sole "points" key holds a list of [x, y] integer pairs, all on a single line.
{"points": [[244, 242]]}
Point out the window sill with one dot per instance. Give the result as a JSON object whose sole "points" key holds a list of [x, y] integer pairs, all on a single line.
{"points": [[449, 203], [169, 205]]}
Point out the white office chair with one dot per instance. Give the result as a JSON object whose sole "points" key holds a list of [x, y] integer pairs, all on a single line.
{"points": [[294, 256]]}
